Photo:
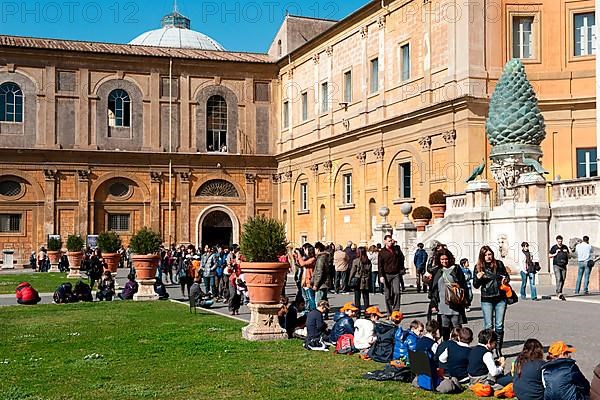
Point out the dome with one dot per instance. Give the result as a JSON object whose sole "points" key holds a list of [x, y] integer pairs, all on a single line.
{"points": [[176, 32]]}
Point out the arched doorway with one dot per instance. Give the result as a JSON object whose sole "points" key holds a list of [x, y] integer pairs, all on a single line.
{"points": [[217, 229], [217, 225]]}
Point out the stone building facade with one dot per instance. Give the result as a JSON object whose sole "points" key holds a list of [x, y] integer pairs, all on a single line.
{"points": [[381, 108]]}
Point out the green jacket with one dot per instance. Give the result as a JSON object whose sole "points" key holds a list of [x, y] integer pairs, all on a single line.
{"points": [[320, 276]]}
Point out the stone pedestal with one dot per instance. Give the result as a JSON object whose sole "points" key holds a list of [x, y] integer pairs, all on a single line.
{"points": [[74, 272], [145, 291], [380, 231], [54, 268], [264, 324], [7, 260]]}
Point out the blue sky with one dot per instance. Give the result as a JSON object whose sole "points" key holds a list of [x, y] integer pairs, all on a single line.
{"points": [[244, 25]]}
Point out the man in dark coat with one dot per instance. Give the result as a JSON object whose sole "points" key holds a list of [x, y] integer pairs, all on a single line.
{"points": [[390, 262]]}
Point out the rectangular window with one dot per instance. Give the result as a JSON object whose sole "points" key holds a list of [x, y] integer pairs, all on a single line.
{"points": [[348, 86], [324, 97], [587, 163], [304, 197], [164, 87], [118, 222], [348, 189], [286, 114], [375, 75], [405, 54], [522, 37], [304, 106], [10, 223], [405, 181], [584, 34]]}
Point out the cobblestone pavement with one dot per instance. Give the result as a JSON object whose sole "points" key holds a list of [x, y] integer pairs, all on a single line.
{"points": [[574, 321]]}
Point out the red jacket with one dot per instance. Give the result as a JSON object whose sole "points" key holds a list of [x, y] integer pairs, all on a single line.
{"points": [[26, 293]]}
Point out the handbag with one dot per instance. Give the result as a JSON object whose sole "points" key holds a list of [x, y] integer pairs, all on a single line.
{"points": [[354, 283], [591, 263], [454, 295]]}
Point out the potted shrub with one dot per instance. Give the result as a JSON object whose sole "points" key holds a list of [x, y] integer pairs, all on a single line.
{"points": [[109, 244], [421, 217], [437, 201], [54, 247], [262, 242], [145, 246], [74, 253]]}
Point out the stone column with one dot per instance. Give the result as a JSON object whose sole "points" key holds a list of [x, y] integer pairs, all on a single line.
{"points": [[82, 124], [155, 212], [186, 141], [50, 177], [83, 189], [250, 195], [379, 155], [184, 215]]}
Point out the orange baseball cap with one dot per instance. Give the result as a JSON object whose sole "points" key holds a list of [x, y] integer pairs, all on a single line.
{"points": [[560, 347], [374, 310], [397, 316], [349, 306]]}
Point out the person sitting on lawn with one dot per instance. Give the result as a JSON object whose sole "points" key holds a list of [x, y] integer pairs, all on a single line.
{"points": [[26, 294], [106, 287], [561, 376], [294, 318], [455, 356], [160, 289], [131, 288], [454, 333], [406, 339], [364, 330], [482, 367], [527, 381], [316, 328], [343, 322], [429, 342]]}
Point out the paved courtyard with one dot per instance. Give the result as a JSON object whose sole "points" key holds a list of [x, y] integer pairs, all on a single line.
{"points": [[575, 321]]}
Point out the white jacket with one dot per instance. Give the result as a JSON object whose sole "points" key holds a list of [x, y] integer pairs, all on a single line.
{"points": [[364, 335]]}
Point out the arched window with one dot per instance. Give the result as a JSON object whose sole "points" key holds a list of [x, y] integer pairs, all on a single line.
{"points": [[11, 102], [216, 124], [119, 108]]}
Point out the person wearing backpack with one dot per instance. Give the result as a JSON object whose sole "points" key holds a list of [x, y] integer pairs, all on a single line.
{"points": [[343, 322], [26, 294], [448, 293], [559, 253]]}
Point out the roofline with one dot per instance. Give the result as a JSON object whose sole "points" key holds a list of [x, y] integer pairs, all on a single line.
{"points": [[126, 45], [313, 18], [341, 25]]}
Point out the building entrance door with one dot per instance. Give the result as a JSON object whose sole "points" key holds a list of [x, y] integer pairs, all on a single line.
{"points": [[217, 229]]}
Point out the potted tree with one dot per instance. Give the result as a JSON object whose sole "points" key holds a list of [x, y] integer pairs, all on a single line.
{"points": [[262, 242], [54, 247], [421, 217], [74, 253], [145, 246], [437, 201], [109, 244]]}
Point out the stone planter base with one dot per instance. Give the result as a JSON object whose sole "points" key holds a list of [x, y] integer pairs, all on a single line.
{"points": [[264, 324], [145, 291], [54, 268], [74, 272]]}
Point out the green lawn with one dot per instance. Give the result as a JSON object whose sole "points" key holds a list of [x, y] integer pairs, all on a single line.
{"points": [[43, 282], [159, 350]]}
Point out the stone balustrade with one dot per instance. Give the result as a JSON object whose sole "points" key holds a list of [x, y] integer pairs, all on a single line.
{"points": [[456, 203], [579, 191]]}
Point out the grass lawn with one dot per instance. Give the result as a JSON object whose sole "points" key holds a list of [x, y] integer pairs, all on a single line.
{"points": [[159, 350], [43, 282]]}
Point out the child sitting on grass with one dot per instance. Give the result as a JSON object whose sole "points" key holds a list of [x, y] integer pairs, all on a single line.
{"points": [[406, 340], [364, 330], [482, 367]]}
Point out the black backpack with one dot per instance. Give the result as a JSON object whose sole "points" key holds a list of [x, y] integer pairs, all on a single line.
{"points": [[383, 348], [562, 258]]}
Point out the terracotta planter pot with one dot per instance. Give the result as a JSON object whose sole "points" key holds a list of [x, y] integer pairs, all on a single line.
{"points": [[438, 210], [112, 261], [421, 224], [265, 281], [54, 257], [145, 266], [74, 258]]}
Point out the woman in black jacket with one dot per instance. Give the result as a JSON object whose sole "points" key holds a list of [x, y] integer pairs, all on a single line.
{"points": [[452, 314], [361, 270], [489, 275]]}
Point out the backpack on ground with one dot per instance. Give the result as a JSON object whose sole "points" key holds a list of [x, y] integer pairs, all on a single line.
{"points": [[83, 292], [64, 294], [345, 344], [383, 348]]}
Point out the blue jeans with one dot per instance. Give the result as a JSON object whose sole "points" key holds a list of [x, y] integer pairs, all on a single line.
{"points": [[583, 268], [493, 311], [209, 283], [309, 298], [531, 277]]}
